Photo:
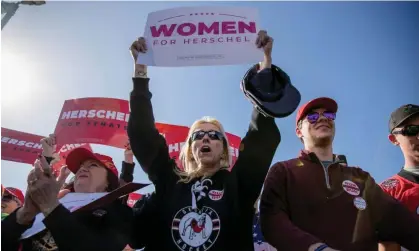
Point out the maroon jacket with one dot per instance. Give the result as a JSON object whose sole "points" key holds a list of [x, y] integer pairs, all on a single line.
{"points": [[303, 203]]}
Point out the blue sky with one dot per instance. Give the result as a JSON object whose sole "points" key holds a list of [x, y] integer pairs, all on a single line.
{"points": [[363, 54]]}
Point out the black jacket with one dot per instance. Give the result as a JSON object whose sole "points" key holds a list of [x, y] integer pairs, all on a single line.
{"points": [[106, 228], [93, 230], [220, 218]]}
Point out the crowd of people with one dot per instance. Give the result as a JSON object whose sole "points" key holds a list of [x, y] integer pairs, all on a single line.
{"points": [[314, 202]]}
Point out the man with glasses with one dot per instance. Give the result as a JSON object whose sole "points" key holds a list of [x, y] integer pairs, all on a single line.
{"points": [[315, 203], [10, 201], [404, 186]]}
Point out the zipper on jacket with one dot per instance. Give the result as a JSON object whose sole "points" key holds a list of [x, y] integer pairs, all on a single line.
{"points": [[326, 174]]}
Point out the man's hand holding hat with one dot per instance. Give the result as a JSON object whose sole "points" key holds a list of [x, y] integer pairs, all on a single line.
{"points": [[266, 42], [267, 86]]}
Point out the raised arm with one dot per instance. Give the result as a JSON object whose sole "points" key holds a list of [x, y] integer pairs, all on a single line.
{"points": [[257, 150], [127, 170], [258, 147], [148, 146]]}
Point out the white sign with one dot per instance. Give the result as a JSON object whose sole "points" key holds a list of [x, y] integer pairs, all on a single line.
{"points": [[72, 201], [199, 36]]}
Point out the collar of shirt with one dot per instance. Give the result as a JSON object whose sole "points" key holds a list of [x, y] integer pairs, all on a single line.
{"points": [[414, 170]]}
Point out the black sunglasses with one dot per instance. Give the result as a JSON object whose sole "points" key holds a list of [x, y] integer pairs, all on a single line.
{"points": [[8, 198], [213, 135], [410, 130]]}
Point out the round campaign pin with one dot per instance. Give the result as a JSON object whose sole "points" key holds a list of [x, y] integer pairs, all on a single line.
{"points": [[360, 203], [350, 187]]}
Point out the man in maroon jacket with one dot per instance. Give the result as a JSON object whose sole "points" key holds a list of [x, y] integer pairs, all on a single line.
{"points": [[315, 203]]}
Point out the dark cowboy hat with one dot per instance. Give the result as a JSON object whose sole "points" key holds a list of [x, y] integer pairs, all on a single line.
{"points": [[271, 91]]}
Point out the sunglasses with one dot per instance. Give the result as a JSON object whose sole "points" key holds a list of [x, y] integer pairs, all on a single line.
{"points": [[410, 130], [312, 117], [213, 135], [8, 198]]}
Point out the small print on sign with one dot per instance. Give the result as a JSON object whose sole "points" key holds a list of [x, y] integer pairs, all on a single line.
{"points": [[360, 203], [350, 187]]}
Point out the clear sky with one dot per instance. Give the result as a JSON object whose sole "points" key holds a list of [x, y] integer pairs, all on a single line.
{"points": [[363, 54]]}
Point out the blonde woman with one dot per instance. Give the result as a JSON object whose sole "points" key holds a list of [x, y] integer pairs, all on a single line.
{"points": [[201, 206]]}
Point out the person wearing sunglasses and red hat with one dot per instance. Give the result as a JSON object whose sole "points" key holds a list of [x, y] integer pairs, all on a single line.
{"points": [[11, 199], [315, 203], [404, 186], [104, 228]]}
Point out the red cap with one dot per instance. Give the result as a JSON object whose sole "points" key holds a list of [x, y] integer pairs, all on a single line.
{"points": [[15, 193], [76, 157], [323, 102]]}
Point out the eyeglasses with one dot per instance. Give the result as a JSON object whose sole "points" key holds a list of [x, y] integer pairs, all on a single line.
{"points": [[8, 198], [312, 117], [410, 130], [213, 135]]}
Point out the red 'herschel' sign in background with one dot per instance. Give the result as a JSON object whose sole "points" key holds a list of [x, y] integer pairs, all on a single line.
{"points": [[93, 120], [20, 146]]}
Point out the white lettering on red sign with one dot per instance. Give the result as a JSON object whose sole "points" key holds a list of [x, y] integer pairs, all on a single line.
{"points": [[69, 147], [350, 187], [102, 114], [131, 202], [21, 143]]}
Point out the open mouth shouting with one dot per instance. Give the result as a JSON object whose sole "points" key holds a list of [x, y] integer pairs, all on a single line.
{"points": [[205, 149]]}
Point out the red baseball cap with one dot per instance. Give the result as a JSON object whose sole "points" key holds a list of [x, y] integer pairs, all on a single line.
{"points": [[323, 102], [77, 156], [15, 193]]}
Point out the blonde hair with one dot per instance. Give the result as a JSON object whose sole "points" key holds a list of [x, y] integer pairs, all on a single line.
{"points": [[191, 169]]}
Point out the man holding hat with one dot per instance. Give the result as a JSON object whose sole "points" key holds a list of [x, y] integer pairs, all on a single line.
{"points": [[404, 186], [315, 203], [276, 99], [12, 198]]}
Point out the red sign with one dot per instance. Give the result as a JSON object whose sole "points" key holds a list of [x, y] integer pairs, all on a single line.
{"points": [[93, 120], [24, 147], [132, 198], [19, 146]]}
